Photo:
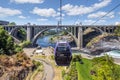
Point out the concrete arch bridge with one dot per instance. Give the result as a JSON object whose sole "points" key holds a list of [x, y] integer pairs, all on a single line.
{"points": [[76, 31]]}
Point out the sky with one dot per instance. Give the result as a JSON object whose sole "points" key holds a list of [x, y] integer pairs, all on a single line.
{"points": [[47, 12]]}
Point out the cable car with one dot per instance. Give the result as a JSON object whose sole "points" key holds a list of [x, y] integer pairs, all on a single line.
{"points": [[63, 54]]}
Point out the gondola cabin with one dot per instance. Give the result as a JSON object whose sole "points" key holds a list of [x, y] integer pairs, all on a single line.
{"points": [[63, 54]]}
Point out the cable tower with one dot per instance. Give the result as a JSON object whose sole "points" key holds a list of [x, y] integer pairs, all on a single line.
{"points": [[60, 22]]}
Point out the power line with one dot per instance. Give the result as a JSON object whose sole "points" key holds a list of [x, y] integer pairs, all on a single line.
{"points": [[106, 14]]}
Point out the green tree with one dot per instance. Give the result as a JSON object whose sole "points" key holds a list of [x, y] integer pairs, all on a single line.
{"points": [[12, 24], [105, 69], [117, 31], [6, 43], [21, 34]]}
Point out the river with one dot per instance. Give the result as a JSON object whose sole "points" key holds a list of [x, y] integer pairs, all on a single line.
{"points": [[44, 42], [113, 53]]}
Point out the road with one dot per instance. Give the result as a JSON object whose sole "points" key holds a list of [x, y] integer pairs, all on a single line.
{"points": [[48, 69]]}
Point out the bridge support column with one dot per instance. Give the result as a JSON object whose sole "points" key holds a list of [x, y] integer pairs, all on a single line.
{"points": [[80, 38], [112, 30], [108, 30], [75, 31], [28, 33], [104, 29], [70, 29], [9, 29]]}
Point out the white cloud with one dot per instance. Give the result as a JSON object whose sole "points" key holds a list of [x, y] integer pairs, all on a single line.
{"points": [[50, 12], [89, 22], [100, 14], [79, 10], [4, 12], [58, 18], [117, 23], [42, 19], [27, 1], [119, 13], [22, 17]]}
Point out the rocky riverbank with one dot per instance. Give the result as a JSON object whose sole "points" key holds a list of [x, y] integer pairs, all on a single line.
{"points": [[67, 37], [103, 43]]}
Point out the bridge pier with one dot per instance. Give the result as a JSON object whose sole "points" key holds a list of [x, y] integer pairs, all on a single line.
{"points": [[29, 33], [80, 38], [75, 31]]}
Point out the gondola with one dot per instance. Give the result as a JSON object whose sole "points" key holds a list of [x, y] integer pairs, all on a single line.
{"points": [[63, 54]]}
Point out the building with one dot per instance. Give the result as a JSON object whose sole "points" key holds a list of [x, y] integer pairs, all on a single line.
{"points": [[4, 22]]}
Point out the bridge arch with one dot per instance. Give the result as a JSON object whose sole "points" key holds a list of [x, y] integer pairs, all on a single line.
{"points": [[87, 37], [96, 29], [38, 34], [15, 29], [14, 32]]}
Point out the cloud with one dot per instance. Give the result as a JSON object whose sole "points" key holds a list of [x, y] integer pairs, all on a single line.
{"points": [[4, 12], [79, 10], [50, 12], [119, 13], [58, 18], [27, 1], [117, 23], [89, 22], [22, 17], [42, 19], [100, 14]]}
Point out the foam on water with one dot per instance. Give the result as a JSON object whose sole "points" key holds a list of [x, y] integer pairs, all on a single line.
{"points": [[114, 53]]}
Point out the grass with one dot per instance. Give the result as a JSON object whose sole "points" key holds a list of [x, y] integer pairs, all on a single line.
{"points": [[84, 69], [40, 56]]}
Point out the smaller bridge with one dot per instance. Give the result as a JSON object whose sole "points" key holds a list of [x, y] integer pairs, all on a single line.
{"points": [[34, 31]]}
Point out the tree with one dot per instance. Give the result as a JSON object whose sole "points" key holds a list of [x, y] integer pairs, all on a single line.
{"points": [[105, 69], [117, 31], [21, 34], [6, 43], [12, 24]]}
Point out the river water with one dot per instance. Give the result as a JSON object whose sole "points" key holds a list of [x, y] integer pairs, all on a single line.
{"points": [[44, 42], [113, 53]]}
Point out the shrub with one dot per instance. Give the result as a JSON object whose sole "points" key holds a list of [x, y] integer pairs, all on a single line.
{"points": [[64, 33], [36, 63], [18, 48], [76, 58], [6, 43], [105, 69], [25, 44]]}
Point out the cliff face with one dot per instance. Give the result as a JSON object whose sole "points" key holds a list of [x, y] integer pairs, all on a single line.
{"points": [[103, 43], [15, 67]]}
